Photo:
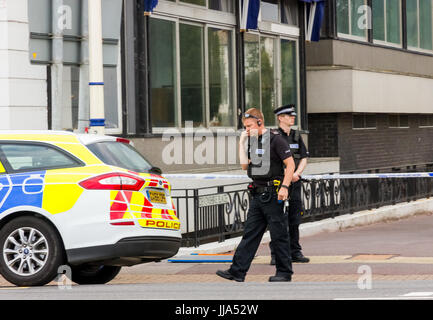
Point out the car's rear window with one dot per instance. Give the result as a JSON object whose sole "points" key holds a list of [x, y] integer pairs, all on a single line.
{"points": [[121, 155], [22, 157]]}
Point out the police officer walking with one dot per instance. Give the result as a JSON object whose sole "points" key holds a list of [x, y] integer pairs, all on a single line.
{"points": [[286, 117], [267, 158]]}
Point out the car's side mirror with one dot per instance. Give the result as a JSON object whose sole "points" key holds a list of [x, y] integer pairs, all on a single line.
{"points": [[155, 170]]}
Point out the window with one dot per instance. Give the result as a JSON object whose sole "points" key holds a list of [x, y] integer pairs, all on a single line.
{"points": [[269, 10], [351, 18], [419, 24], [31, 157], [197, 2], [121, 155], [289, 12], [191, 74], [261, 73], [163, 72], [220, 77], [387, 21], [398, 121], [71, 98], [267, 63], [252, 71], [289, 73], [426, 120], [364, 121], [222, 5]]}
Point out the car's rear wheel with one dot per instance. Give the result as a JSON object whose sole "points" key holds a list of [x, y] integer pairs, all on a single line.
{"points": [[31, 252], [94, 274]]}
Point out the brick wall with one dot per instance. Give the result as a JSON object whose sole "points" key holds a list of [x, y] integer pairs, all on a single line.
{"points": [[383, 146], [332, 135], [323, 136]]}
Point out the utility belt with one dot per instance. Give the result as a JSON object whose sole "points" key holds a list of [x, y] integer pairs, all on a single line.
{"points": [[269, 187]]}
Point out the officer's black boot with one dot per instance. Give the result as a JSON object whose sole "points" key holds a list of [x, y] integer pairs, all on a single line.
{"points": [[295, 246]]}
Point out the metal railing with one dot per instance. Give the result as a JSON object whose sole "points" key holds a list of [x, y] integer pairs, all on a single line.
{"points": [[218, 213]]}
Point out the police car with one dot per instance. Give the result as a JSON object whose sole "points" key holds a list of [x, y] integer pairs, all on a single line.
{"points": [[87, 201]]}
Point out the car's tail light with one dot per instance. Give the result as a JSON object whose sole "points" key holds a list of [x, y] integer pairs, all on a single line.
{"points": [[113, 181]]}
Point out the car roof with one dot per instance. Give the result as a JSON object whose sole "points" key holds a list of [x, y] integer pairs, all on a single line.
{"points": [[53, 135]]}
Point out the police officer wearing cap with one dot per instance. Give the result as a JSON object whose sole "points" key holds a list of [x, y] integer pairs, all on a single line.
{"points": [[267, 158], [286, 116]]}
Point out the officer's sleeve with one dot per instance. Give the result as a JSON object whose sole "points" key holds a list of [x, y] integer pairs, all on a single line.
{"points": [[281, 148], [303, 151]]}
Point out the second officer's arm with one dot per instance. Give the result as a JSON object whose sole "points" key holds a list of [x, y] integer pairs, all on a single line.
{"points": [[283, 194], [283, 151]]}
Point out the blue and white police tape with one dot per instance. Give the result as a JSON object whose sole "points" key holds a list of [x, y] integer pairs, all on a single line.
{"points": [[201, 176]]}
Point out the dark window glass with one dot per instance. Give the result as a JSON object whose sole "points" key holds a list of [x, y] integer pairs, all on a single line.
{"points": [[192, 73], [269, 10], [222, 5], [163, 72], [121, 155], [404, 120], [358, 121], [35, 157], [370, 121], [393, 121]]}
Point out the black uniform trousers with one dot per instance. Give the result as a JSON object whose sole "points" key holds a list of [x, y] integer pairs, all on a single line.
{"points": [[263, 213], [295, 209]]}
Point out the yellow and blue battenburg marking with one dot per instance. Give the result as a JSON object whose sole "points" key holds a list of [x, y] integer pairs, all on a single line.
{"points": [[21, 190]]}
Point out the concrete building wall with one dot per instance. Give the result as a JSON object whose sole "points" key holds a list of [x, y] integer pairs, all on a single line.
{"points": [[23, 87], [363, 56], [350, 90], [347, 78]]}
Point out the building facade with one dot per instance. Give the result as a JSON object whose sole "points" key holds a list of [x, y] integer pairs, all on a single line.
{"points": [[370, 84], [198, 72], [178, 80]]}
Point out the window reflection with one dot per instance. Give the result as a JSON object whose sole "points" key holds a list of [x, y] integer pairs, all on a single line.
{"points": [[288, 73], [163, 72], [191, 73], [222, 5], [252, 71], [267, 51], [197, 2], [269, 10], [220, 66]]}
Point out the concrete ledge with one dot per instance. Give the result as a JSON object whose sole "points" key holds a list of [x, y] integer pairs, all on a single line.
{"points": [[361, 218]]}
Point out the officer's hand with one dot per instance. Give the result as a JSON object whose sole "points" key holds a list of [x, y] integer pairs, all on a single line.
{"points": [[283, 194], [295, 177]]}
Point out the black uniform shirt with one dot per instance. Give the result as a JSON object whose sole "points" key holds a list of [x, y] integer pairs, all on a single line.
{"points": [[300, 145], [279, 151]]}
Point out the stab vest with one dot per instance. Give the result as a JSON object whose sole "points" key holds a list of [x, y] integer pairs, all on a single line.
{"points": [[260, 167], [293, 142]]}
